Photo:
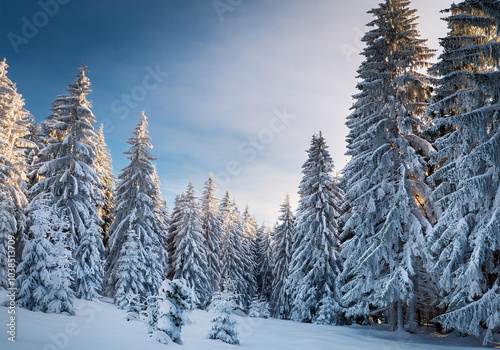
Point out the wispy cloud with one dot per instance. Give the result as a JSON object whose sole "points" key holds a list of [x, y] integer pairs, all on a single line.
{"points": [[226, 80]]}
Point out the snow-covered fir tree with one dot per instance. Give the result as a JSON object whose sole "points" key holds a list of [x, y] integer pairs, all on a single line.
{"points": [[166, 313], [69, 180], [151, 313], [44, 275], [212, 232], [130, 273], [282, 251], [36, 137], [190, 258], [259, 307], [47, 135], [315, 263], [465, 243], [13, 203], [160, 206], [173, 229], [165, 221], [386, 209], [264, 262], [249, 244], [135, 212], [329, 311], [232, 250], [104, 171], [49, 129], [223, 325]]}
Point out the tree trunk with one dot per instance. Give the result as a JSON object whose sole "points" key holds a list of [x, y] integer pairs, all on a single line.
{"points": [[400, 320]]}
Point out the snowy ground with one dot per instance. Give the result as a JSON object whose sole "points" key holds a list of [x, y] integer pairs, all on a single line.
{"points": [[100, 325]]}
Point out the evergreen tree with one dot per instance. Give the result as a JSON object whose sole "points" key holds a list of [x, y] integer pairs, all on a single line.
{"points": [[315, 262], [190, 251], [151, 313], [167, 311], [465, 243], [36, 137], [160, 205], [232, 251], [104, 171], [386, 209], [282, 254], [328, 311], [135, 212], [264, 262], [130, 272], [259, 308], [13, 203], [50, 130], [173, 229], [47, 135], [71, 184], [165, 221], [44, 278], [212, 232], [223, 325], [249, 245]]}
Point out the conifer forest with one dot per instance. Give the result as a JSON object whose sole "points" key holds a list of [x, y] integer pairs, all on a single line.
{"points": [[403, 241]]}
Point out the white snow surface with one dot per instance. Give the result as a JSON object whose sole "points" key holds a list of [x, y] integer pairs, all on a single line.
{"points": [[100, 325]]}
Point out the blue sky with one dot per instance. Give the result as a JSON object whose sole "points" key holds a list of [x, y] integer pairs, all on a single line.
{"points": [[237, 93]]}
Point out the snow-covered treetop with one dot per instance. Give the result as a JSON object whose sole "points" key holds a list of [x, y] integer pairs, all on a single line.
{"points": [[13, 117], [467, 49], [317, 170], [81, 87], [103, 163], [141, 141], [210, 196], [4, 80]]}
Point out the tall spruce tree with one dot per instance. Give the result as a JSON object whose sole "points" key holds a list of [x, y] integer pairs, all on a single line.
{"points": [[13, 203], [283, 234], [44, 275], [232, 250], [264, 262], [47, 135], [136, 222], [315, 262], [223, 324], [36, 137], [212, 232], [386, 209], [160, 205], [70, 183], [130, 272], [249, 244], [165, 314], [173, 229], [104, 171], [190, 258], [465, 243]]}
